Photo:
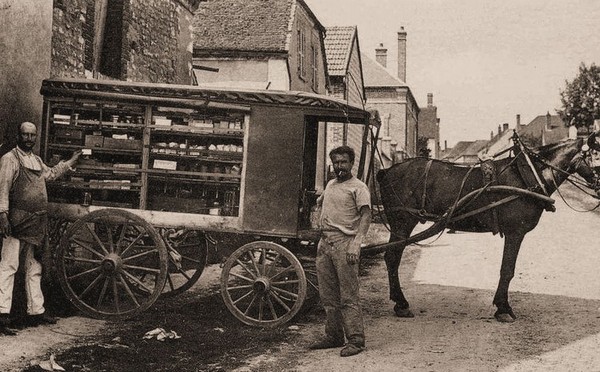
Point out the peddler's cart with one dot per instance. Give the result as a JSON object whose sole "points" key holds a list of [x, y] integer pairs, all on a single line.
{"points": [[166, 166]]}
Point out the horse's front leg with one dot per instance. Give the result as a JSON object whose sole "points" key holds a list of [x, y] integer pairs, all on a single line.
{"points": [[392, 261], [512, 244]]}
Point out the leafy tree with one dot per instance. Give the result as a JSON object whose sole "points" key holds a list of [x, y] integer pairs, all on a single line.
{"points": [[581, 97]]}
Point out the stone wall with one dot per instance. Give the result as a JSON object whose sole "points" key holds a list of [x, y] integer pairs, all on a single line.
{"points": [[154, 44]]}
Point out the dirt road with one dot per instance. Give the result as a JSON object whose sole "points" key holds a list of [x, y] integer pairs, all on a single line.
{"points": [[449, 283]]}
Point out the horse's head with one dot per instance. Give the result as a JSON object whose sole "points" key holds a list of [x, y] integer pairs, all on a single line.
{"points": [[582, 162]]}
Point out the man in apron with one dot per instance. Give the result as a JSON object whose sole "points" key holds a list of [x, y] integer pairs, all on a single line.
{"points": [[23, 218]]}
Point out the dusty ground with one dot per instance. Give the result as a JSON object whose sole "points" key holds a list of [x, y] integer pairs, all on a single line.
{"points": [[449, 283]]}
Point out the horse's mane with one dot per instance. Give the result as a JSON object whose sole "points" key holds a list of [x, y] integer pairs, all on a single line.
{"points": [[550, 149], [543, 151]]}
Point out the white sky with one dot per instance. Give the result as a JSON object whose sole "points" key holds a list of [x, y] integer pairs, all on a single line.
{"points": [[484, 60]]}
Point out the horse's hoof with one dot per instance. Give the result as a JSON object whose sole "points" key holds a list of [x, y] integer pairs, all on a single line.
{"points": [[403, 313], [504, 318]]}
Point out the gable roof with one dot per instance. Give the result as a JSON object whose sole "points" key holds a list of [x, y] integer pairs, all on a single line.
{"points": [[474, 148], [244, 25], [376, 75], [338, 46], [558, 129]]}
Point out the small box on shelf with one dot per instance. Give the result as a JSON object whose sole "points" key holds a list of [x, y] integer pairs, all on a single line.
{"points": [[93, 141], [68, 136], [122, 144], [164, 164], [162, 120]]}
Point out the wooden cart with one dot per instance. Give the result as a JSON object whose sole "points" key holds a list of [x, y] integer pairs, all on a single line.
{"points": [[164, 167]]}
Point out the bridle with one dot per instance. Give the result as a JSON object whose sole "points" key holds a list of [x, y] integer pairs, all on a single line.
{"points": [[584, 158]]}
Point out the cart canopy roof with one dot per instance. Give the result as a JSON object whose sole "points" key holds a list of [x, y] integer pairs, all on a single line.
{"points": [[329, 108]]}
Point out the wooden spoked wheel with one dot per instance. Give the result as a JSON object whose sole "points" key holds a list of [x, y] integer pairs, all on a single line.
{"points": [[187, 250], [263, 284], [112, 264]]}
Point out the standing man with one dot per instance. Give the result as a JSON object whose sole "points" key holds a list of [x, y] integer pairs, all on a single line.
{"points": [[23, 219], [345, 219]]}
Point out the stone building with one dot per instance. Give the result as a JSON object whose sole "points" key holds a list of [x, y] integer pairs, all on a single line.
{"points": [[258, 44], [134, 40], [393, 99]]}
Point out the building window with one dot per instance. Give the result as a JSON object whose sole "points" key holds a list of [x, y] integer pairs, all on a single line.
{"points": [[301, 54], [315, 69], [103, 35]]}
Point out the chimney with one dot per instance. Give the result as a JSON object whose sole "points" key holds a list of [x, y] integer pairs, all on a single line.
{"points": [[402, 54], [548, 121], [445, 145], [429, 99], [381, 55], [504, 127], [499, 129], [491, 135], [518, 120]]}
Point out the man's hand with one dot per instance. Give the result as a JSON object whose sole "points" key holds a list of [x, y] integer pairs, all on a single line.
{"points": [[4, 225], [353, 251], [74, 158]]}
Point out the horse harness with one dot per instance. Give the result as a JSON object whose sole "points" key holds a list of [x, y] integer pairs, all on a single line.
{"points": [[529, 173]]}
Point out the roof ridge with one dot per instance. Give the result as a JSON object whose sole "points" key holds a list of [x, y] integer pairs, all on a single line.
{"points": [[381, 69]]}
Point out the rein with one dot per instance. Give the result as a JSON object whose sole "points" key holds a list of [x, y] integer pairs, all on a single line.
{"points": [[578, 183]]}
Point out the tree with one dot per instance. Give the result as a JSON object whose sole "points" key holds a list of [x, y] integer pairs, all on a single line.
{"points": [[581, 97]]}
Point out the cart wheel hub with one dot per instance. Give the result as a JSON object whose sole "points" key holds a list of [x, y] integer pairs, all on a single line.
{"points": [[111, 264], [262, 285]]}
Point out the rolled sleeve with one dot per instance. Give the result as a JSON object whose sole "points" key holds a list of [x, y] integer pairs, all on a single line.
{"points": [[9, 166], [52, 173]]}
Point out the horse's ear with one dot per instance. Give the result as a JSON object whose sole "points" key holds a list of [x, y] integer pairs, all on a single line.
{"points": [[380, 175]]}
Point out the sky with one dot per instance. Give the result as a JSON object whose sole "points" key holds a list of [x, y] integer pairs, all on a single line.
{"points": [[485, 61]]}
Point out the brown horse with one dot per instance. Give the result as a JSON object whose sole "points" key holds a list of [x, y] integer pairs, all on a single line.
{"points": [[420, 189]]}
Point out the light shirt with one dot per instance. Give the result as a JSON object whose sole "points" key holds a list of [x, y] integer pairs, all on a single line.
{"points": [[341, 204], [9, 170]]}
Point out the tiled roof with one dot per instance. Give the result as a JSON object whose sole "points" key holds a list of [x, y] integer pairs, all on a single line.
{"points": [[457, 150], [243, 25], [474, 148], [376, 75], [558, 130], [338, 46]]}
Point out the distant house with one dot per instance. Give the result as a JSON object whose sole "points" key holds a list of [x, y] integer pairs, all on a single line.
{"points": [[542, 130], [260, 44], [498, 142], [392, 97], [465, 152], [429, 127], [346, 82]]}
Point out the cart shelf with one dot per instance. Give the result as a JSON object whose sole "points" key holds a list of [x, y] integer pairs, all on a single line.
{"points": [[205, 155], [100, 125], [58, 146], [204, 132], [98, 186]]}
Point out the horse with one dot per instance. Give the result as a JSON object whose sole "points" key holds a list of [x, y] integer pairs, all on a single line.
{"points": [[505, 196]]}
